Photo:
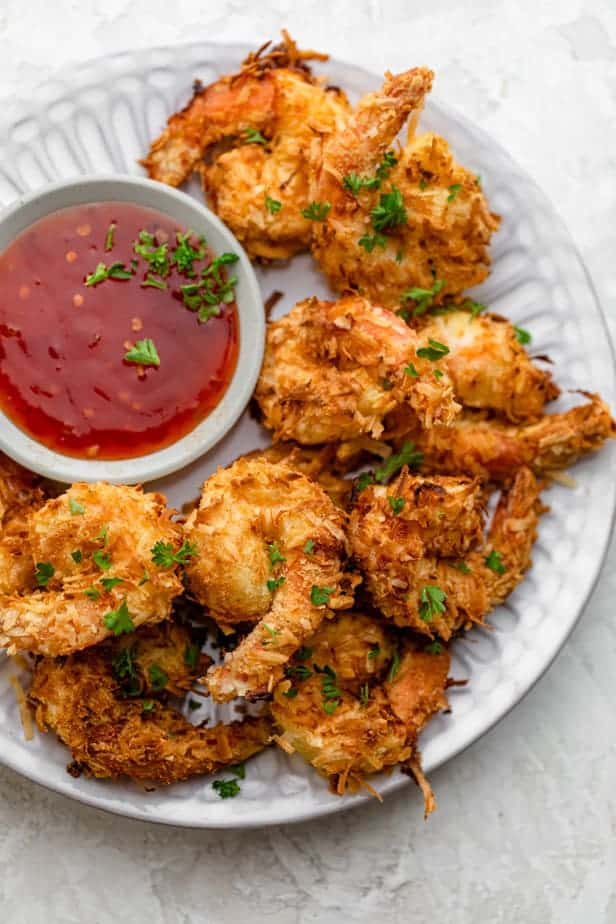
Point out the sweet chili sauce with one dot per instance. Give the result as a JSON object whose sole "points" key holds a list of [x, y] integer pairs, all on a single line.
{"points": [[64, 378]]}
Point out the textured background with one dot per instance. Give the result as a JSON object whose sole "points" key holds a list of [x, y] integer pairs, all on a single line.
{"points": [[526, 825]]}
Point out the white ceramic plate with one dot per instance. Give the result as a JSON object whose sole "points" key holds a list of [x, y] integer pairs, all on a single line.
{"points": [[100, 118]]}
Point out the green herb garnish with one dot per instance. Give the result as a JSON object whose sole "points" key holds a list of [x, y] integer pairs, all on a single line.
{"points": [[390, 212], [494, 562], [119, 621], [254, 136], [43, 573], [75, 507], [408, 455], [144, 353], [273, 206], [309, 547], [396, 504], [158, 677], [319, 596], [431, 602], [316, 211], [434, 351], [422, 297], [274, 583], [164, 556], [370, 241], [109, 236], [522, 336]]}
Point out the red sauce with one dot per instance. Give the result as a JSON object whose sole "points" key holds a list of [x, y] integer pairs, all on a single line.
{"points": [[63, 376]]}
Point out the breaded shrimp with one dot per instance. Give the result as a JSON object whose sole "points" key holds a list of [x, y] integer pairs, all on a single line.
{"points": [[264, 120], [269, 548], [438, 583], [398, 222], [490, 448], [113, 729], [93, 551], [316, 462], [333, 370], [349, 727], [20, 493], [487, 365]]}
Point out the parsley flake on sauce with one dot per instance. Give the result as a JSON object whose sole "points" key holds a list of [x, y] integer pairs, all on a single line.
{"points": [[144, 353]]}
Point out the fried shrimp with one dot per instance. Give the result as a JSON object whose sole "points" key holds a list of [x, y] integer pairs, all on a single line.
{"points": [[362, 709], [333, 370], [490, 448], [264, 121], [104, 560], [108, 706], [319, 463], [20, 493], [269, 547], [428, 569], [410, 225], [487, 365]]}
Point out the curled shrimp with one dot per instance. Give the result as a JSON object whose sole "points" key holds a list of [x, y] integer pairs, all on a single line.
{"points": [[400, 225], [333, 370], [108, 705], [356, 703], [269, 549], [430, 570], [492, 449], [255, 130], [94, 568]]}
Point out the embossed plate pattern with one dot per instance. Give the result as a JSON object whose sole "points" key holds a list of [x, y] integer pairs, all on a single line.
{"points": [[98, 119]]}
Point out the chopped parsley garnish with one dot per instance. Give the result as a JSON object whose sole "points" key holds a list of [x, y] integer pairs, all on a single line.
{"points": [[374, 651], [92, 593], [43, 573], [164, 556], [434, 648], [399, 256], [153, 282], [110, 583], [274, 583], [254, 136], [364, 694], [226, 789], [355, 183], [431, 602], [238, 770], [303, 653], [103, 561], [422, 183], [396, 504], [144, 353], [394, 666], [158, 677], [422, 297], [494, 562], [191, 656], [438, 374], [75, 507], [522, 336], [454, 189], [316, 211], [390, 212], [102, 272], [156, 255], [330, 692], [145, 578], [370, 241], [434, 351], [185, 254], [463, 567], [273, 206], [99, 275], [364, 481], [124, 670], [109, 236], [474, 307], [319, 596], [148, 705], [77, 556], [300, 671], [309, 547], [408, 455], [118, 271], [119, 621], [411, 371], [102, 536], [387, 384], [389, 160], [291, 693], [274, 554]]}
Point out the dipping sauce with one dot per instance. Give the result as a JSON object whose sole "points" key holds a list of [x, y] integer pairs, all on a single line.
{"points": [[115, 339]]}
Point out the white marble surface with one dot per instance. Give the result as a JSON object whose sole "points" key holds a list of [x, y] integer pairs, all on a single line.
{"points": [[526, 829]]}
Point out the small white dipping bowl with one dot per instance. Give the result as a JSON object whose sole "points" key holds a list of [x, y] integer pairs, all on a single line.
{"points": [[189, 214]]}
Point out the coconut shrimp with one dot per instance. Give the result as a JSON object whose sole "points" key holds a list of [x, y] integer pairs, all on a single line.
{"points": [[428, 569], [264, 121], [108, 705], [333, 370], [319, 463], [355, 704], [20, 493], [411, 224], [487, 365], [492, 449], [269, 545], [105, 560]]}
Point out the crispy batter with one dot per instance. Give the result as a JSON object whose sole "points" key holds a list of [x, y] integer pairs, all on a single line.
{"points": [[252, 515], [444, 236], [400, 559], [275, 94], [82, 700], [316, 462], [490, 448], [356, 738], [333, 370], [119, 526], [20, 493], [487, 365]]}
